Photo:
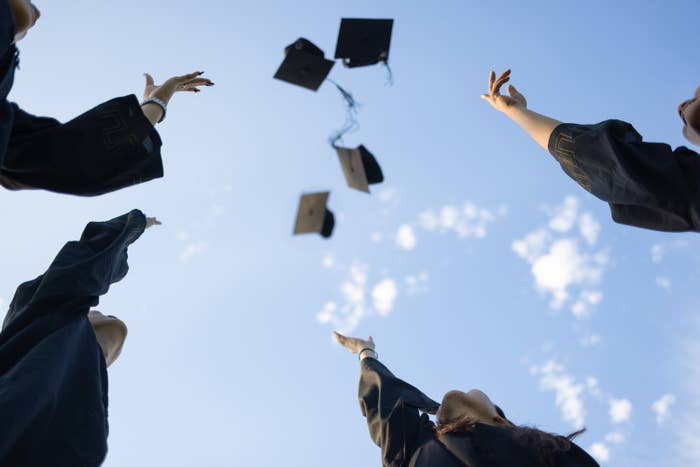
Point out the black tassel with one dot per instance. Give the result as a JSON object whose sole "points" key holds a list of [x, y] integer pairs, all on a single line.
{"points": [[350, 113]]}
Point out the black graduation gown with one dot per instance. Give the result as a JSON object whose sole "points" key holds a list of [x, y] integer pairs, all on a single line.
{"points": [[53, 377], [647, 185], [407, 437], [109, 147]]}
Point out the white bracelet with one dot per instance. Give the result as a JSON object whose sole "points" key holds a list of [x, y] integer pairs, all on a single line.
{"points": [[158, 102]]}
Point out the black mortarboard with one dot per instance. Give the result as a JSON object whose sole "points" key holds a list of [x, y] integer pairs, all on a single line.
{"points": [[304, 65], [313, 215], [360, 167], [363, 42]]}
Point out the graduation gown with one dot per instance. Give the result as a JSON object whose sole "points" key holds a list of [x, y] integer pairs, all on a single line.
{"points": [[107, 148], [647, 185], [53, 376], [407, 438]]}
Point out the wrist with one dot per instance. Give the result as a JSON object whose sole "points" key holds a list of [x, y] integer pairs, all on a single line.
{"points": [[368, 353]]}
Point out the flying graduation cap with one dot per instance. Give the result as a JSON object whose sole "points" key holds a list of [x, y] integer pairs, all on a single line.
{"points": [[363, 42], [304, 65], [314, 216], [360, 167]]}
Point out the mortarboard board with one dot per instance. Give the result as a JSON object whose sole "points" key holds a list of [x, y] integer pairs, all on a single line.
{"points": [[363, 42], [304, 65], [360, 167], [313, 215]]}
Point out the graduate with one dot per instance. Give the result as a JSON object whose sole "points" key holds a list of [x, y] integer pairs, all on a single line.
{"points": [[647, 185], [109, 147], [55, 350], [470, 432]]}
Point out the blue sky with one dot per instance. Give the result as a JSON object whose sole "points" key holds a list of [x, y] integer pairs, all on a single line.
{"points": [[478, 263]]}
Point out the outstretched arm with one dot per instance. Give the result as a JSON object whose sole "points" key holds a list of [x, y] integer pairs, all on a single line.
{"points": [[390, 405], [514, 106]]}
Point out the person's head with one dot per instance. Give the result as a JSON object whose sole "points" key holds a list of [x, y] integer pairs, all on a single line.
{"points": [[110, 332], [460, 412], [26, 15], [689, 111]]}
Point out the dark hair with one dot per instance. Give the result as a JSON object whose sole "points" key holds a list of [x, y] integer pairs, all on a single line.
{"points": [[545, 445]]}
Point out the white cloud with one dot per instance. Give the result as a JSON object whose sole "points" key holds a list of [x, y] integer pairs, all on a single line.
{"points": [[383, 296], [345, 317], [615, 437], [600, 451], [658, 251], [193, 249], [568, 393], [566, 267], [347, 313], [467, 220], [388, 196], [415, 284], [664, 283], [183, 236], [662, 406], [405, 237], [620, 410], [328, 261], [589, 228], [565, 215], [590, 340], [376, 237]]}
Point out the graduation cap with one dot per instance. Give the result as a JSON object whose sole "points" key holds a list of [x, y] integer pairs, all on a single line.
{"points": [[360, 167], [304, 65], [313, 215], [363, 42]]}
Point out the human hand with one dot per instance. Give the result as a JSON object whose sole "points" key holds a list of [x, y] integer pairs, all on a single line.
{"points": [[191, 83], [501, 102], [151, 221], [354, 344]]}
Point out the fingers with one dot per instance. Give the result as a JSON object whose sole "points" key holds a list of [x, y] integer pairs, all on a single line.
{"points": [[340, 338], [495, 84], [149, 79], [371, 341], [188, 77]]}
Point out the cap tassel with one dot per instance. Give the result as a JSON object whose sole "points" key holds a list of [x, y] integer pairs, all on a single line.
{"points": [[351, 111]]}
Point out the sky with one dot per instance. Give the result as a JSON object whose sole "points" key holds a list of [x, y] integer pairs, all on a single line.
{"points": [[477, 263]]}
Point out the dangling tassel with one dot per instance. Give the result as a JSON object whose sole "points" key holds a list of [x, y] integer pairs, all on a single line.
{"points": [[389, 75], [351, 111], [16, 57]]}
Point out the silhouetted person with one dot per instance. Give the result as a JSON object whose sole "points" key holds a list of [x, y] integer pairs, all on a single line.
{"points": [[470, 432], [109, 147], [55, 350], [647, 185]]}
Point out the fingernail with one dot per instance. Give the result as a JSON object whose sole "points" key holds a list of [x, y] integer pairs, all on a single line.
{"points": [[210, 84]]}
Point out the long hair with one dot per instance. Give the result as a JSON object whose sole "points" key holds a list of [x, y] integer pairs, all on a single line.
{"points": [[545, 445]]}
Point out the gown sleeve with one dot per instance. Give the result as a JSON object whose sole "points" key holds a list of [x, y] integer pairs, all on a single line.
{"points": [[109, 147], [647, 185], [391, 407], [81, 272], [7, 28]]}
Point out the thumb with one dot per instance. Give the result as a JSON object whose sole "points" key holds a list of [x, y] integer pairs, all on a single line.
{"points": [[149, 79], [371, 341], [513, 92]]}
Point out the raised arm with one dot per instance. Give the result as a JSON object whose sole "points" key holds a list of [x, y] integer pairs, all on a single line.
{"points": [[81, 272], [391, 406]]}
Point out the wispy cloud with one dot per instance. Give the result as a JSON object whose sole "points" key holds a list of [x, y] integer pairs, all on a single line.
{"points": [[416, 283], [564, 263], [620, 410], [467, 220], [600, 452], [191, 248], [662, 406], [383, 296], [358, 299], [568, 394], [406, 237], [664, 283]]}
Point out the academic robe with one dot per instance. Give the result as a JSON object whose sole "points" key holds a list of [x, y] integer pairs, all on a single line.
{"points": [[109, 147], [53, 376], [407, 438], [647, 185]]}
